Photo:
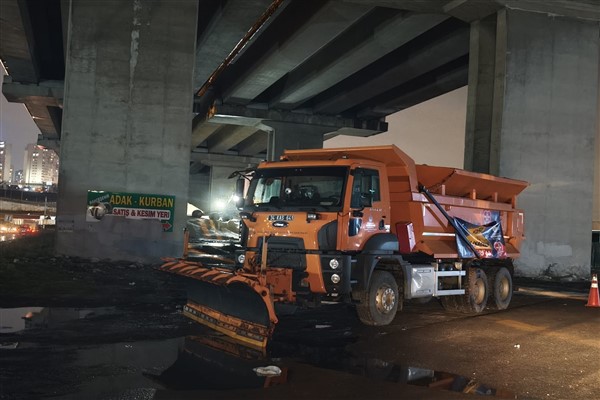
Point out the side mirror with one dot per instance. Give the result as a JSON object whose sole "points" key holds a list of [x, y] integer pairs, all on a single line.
{"points": [[239, 192]]}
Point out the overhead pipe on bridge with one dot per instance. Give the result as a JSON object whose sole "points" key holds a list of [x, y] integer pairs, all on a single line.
{"points": [[239, 46]]}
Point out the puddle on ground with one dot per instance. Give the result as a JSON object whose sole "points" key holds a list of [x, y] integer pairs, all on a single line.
{"points": [[123, 370], [216, 362], [212, 361], [14, 320], [390, 372]]}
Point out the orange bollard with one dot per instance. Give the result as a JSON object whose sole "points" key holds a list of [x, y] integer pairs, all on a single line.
{"points": [[594, 298]]}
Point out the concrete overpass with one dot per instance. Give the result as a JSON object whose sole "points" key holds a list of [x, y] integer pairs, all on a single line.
{"points": [[143, 105]]}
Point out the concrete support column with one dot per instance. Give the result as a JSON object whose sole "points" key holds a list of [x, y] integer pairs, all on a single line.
{"points": [[481, 133], [596, 219], [544, 108], [126, 123], [286, 135]]}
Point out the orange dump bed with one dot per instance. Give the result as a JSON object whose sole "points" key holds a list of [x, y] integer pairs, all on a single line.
{"points": [[474, 197]]}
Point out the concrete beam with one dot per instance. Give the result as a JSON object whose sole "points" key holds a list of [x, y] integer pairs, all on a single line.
{"points": [[202, 130], [44, 104], [443, 80], [256, 117], [583, 9], [49, 143], [229, 136], [65, 11], [416, 61], [350, 132], [233, 115], [224, 160], [380, 33], [255, 144], [196, 167], [420, 6], [16, 42], [287, 51], [471, 10], [468, 10], [46, 92], [227, 24]]}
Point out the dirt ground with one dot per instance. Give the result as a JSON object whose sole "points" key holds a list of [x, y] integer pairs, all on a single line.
{"points": [[144, 316], [130, 341]]}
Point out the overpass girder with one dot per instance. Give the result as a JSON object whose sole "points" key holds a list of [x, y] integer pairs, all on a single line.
{"points": [[229, 136], [361, 45], [418, 58], [299, 31], [255, 144], [221, 25]]}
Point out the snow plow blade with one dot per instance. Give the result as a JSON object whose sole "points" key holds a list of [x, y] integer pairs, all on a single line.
{"points": [[228, 301]]}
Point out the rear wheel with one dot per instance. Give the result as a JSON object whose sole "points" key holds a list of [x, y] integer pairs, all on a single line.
{"points": [[502, 289], [474, 300], [379, 304]]}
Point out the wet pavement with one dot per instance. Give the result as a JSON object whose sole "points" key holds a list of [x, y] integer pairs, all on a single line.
{"points": [[545, 346], [89, 329]]}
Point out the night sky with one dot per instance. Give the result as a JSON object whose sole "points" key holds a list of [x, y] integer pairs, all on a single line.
{"points": [[16, 128]]}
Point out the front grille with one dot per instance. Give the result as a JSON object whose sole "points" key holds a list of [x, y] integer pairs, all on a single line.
{"points": [[284, 252]]}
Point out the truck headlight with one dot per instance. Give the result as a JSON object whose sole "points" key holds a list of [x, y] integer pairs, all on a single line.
{"points": [[335, 278], [334, 263], [241, 258]]}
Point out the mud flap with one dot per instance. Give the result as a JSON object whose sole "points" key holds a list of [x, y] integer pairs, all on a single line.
{"points": [[235, 304]]}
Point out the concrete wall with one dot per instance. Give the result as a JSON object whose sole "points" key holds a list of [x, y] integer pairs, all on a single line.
{"points": [[126, 122], [596, 217], [549, 126]]}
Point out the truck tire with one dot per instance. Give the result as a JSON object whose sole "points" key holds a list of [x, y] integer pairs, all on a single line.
{"points": [[474, 300], [379, 304], [502, 289]]}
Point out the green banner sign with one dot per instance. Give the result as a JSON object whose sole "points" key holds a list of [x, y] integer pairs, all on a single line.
{"points": [[131, 205]]}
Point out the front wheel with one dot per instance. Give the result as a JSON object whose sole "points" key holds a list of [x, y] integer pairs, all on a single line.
{"points": [[379, 304]]}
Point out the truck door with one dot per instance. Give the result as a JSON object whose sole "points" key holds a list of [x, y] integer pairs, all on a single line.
{"points": [[369, 213]]}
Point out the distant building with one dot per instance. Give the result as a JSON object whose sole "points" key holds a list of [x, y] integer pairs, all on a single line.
{"points": [[40, 166], [18, 177], [5, 162]]}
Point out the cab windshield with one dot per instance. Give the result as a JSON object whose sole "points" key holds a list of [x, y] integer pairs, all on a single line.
{"points": [[305, 188]]}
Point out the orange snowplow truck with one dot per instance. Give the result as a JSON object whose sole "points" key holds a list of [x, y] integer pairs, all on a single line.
{"points": [[364, 225]]}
